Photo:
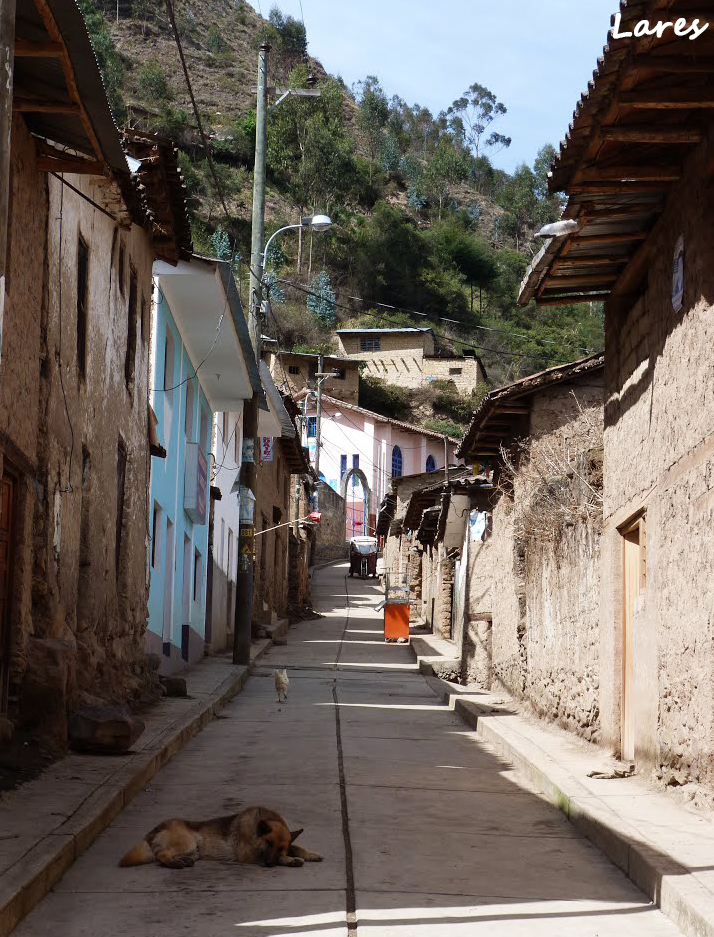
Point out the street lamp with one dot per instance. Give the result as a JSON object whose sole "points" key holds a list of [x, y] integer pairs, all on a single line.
{"points": [[316, 222]]}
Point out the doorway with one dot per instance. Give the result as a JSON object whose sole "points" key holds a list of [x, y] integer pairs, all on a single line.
{"points": [[633, 582], [8, 495]]}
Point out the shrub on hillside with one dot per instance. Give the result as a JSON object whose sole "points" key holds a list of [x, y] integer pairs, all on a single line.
{"points": [[387, 399]]}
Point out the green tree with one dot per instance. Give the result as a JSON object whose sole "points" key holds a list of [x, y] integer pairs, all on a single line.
{"points": [[321, 300], [372, 115], [473, 113], [442, 172], [152, 83]]}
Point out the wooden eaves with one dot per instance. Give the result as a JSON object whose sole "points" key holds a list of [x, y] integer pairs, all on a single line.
{"points": [[502, 415], [648, 104]]}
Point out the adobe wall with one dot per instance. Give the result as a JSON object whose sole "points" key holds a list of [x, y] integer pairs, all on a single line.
{"points": [[346, 388], [331, 541], [544, 554], [466, 373], [272, 507], [477, 650], [659, 458], [79, 614], [414, 343]]}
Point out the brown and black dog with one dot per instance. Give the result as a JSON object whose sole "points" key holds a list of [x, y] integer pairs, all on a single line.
{"points": [[256, 834]]}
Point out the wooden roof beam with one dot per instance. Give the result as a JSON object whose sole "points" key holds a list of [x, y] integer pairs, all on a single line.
{"points": [[24, 49], [622, 211], [572, 260], [675, 64], [28, 106], [511, 408], [633, 173], [558, 300], [604, 187], [629, 134], [80, 166], [563, 281], [665, 99], [608, 238]]}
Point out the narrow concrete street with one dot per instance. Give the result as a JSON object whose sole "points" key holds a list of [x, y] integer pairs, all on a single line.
{"points": [[425, 831]]}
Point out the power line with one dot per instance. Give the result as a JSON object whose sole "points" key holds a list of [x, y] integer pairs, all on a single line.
{"points": [[447, 338]]}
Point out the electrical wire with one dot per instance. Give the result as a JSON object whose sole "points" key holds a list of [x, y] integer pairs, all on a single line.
{"points": [[190, 377], [442, 335]]}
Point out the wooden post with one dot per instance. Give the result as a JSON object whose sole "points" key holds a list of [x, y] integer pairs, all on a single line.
{"points": [[7, 55]]}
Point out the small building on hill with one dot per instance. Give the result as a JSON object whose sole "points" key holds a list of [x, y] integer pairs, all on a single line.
{"points": [[294, 371], [409, 357]]}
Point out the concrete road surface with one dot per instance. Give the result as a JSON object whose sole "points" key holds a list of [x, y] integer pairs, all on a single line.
{"points": [[425, 830]]}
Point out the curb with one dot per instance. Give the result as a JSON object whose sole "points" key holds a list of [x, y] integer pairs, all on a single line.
{"points": [[670, 885], [25, 885]]}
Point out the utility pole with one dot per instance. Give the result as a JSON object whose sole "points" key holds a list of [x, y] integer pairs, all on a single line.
{"points": [[446, 459], [318, 429], [246, 536], [7, 64]]}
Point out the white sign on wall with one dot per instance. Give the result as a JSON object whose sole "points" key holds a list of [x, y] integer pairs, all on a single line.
{"points": [[477, 524], [678, 275]]}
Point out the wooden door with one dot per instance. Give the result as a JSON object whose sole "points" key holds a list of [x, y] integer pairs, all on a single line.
{"points": [[633, 542], [7, 512]]}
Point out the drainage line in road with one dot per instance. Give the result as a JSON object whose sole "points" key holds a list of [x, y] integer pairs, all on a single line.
{"points": [[351, 903], [350, 899]]}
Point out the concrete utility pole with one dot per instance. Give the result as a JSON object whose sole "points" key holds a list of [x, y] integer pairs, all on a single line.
{"points": [[318, 428], [246, 534], [7, 63]]}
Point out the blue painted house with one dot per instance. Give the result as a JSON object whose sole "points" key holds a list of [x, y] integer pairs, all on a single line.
{"points": [[202, 363]]}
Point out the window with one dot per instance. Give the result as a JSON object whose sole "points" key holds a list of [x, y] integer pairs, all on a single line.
{"points": [[293, 369], [343, 466], [222, 546], [169, 364], [121, 486], [197, 576], [355, 465], [456, 370], [430, 463], [82, 299], [396, 462], [224, 429], [370, 344], [188, 416], [203, 432], [155, 535], [311, 427], [340, 374], [130, 359]]}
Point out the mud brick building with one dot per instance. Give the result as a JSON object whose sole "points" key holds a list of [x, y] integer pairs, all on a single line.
{"points": [[293, 372], [83, 232], [279, 470], [529, 544], [409, 357], [637, 169]]}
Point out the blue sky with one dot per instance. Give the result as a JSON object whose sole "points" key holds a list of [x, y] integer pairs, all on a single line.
{"points": [[535, 55]]}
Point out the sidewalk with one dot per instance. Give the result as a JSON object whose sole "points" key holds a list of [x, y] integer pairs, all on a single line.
{"points": [[46, 824], [426, 830], [664, 847]]}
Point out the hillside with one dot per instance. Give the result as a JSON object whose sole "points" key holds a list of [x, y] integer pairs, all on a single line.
{"points": [[423, 221]]}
